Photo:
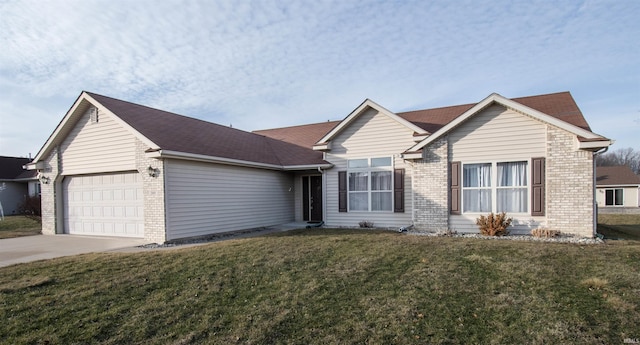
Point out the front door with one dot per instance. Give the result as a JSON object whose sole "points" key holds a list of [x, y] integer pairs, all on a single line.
{"points": [[312, 198]]}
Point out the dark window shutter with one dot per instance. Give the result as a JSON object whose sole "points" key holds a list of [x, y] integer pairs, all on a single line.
{"points": [[454, 203], [398, 190], [342, 191], [537, 186]]}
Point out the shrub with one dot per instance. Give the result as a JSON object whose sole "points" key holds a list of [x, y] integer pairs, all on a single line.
{"points": [[544, 232], [494, 225], [31, 207], [366, 224]]}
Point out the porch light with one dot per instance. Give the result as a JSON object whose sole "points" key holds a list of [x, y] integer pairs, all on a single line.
{"points": [[153, 172], [44, 179]]}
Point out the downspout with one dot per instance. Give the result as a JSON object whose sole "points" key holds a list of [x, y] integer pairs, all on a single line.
{"points": [[58, 195], [409, 227], [595, 204]]}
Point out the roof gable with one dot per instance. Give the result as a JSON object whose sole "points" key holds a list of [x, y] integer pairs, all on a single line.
{"points": [[559, 105], [84, 101], [184, 136], [362, 108], [616, 175], [563, 112], [178, 133]]}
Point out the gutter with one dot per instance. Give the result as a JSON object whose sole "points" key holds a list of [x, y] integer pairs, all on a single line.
{"points": [[230, 161], [595, 187]]}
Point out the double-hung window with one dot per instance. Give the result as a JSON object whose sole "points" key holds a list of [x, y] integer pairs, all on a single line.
{"points": [[477, 187], [512, 192], [370, 184], [495, 187], [614, 197]]}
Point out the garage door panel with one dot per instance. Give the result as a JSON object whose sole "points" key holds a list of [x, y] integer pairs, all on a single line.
{"points": [[104, 205]]}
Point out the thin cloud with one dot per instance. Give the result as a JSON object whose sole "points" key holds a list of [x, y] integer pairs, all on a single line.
{"points": [[259, 64]]}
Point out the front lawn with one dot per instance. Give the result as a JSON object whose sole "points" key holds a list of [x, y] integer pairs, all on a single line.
{"points": [[619, 226], [322, 286], [16, 226]]}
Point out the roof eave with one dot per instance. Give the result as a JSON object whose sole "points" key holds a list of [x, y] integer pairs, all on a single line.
{"points": [[594, 145], [322, 147], [410, 155], [162, 154], [25, 179], [308, 166]]}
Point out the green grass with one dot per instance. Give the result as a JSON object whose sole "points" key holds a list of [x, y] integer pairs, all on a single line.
{"points": [[619, 226], [321, 286], [16, 226]]}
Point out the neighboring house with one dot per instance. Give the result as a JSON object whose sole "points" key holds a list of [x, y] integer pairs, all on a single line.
{"points": [[617, 186], [16, 184], [121, 169]]}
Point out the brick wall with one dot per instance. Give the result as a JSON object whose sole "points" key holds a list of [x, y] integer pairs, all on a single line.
{"points": [[430, 188], [569, 184], [153, 189], [48, 193]]}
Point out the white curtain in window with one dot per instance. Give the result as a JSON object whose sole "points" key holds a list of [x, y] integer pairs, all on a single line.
{"points": [[477, 175], [358, 201], [477, 200], [358, 191], [476, 188], [358, 181], [381, 180], [380, 201], [512, 174]]}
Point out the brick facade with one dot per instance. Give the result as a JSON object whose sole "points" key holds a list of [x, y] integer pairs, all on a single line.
{"points": [[569, 185], [48, 193], [153, 190], [430, 188]]}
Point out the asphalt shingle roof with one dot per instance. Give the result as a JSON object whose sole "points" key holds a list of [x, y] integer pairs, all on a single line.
{"points": [[11, 168], [291, 145], [559, 105], [616, 175], [180, 133]]}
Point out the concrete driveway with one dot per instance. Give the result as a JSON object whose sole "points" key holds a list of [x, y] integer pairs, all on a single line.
{"points": [[40, 247]]}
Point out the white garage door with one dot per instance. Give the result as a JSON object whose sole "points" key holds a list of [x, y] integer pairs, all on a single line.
{"points": [[104, 205]]}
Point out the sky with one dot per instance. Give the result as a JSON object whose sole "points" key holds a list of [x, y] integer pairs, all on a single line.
{"points": [[258, 64]]}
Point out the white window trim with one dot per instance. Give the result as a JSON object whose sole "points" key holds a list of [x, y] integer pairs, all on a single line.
{"points": [[614, 197], [494, 185], [370, 169]]}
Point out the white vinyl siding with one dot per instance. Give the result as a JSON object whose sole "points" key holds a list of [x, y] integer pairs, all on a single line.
{"points": [[203, 198], [104, 205], [104, 146], [370, 135], [497, 134]]}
